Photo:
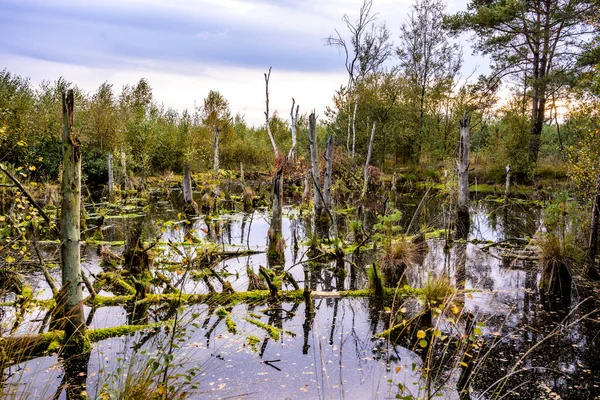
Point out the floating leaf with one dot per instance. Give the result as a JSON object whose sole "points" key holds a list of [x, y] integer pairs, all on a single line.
{"points": [[421, 334], [423, 343]]}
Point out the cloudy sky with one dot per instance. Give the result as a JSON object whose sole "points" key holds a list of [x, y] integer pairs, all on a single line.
{"points": [[187, 47]]}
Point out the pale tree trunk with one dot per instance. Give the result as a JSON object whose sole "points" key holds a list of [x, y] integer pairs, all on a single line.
{"points": [[592, 271], [314, 159], [354, 122], [463, 178], [367, 161], [74, 323], [187, 186], [294, 118], [276, 243], [216, 158], [271, 138], [328, 172], [124, 169], [111, 176], [507, 186]]}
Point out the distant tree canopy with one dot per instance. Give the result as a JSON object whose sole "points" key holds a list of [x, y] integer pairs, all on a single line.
{"points": [[545, 52]]}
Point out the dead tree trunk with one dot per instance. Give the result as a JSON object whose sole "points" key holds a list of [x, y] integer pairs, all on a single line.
{"points": [[354, 121], [111, 176], [462, 217], [276, 245], [328, 172], [191, 207], [314, 158], [267, 77], [216, 157], [123, 169], [507, 188], [294, 118], [592, 270], [368, 160], [74, 322]]}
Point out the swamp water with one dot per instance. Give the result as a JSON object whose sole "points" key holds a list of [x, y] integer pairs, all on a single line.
{"points": [[547, 349]]}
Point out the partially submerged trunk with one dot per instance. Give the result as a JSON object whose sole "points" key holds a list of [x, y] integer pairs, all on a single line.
{"points": [[507, 188], [462, 216], [592, 269], [276, 243], [316, 181], [72, 308], [367, 161], [191, 207]]}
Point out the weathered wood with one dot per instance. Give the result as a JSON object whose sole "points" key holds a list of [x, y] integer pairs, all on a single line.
{"points": [[328, 171], [507, 186], [314, 159], [267, 120], [70, 230], [367, 161], [216, 156], [294, 124], [187, 186], [111, 176], [592, 270], [123, 169], [462, 212], [463, 164]]}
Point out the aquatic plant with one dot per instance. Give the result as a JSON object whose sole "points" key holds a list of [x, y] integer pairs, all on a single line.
{"points": [[395, 258]]}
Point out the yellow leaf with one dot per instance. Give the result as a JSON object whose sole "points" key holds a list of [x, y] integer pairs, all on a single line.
{"points": [[21, 143], [398, 368], [10, 259], [2, 218], [421, 334], [454, 309], [469, 295], [32, 167]]}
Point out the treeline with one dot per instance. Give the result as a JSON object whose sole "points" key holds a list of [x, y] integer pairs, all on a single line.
{"points": [[410, 95], [152, 138]]}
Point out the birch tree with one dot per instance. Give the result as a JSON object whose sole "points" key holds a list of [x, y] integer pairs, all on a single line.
{"points": [[216, 116], [428, 60], [365, 52]]}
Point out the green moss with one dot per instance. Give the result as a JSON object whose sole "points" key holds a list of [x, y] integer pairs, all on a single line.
{"points": [[439, 233], [253, 341], [231, 325], [221, 312], [96, 335], [274, 332]]}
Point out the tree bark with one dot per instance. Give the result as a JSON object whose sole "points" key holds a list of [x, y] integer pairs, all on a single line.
{"points": [[462, 217], [463, 164], [294, 123], [354, 122], [314, 158], [111, 176], [74, 323], [216, 158], [507, 188], [187, 186], [328, 172], [368, 160], [592, 270], [267, 126], [124, 169]]}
